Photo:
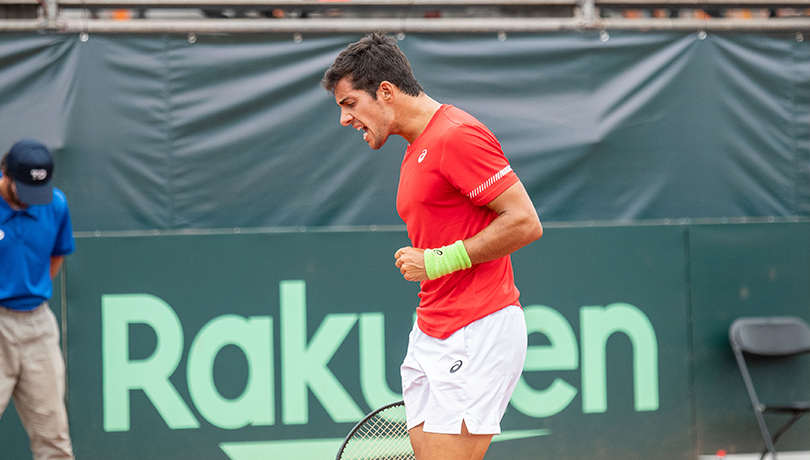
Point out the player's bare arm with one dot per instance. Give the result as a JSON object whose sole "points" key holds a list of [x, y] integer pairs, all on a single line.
{"points": [[516, 226]]}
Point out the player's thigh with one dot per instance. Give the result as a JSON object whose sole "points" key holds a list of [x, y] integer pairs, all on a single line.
{"points": [[439, 446]]}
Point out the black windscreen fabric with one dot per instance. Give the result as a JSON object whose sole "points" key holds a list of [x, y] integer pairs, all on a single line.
{"points": [[154, 132]]}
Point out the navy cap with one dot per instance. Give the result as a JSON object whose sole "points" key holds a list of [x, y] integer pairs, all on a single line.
{"points": [[30, 164]]}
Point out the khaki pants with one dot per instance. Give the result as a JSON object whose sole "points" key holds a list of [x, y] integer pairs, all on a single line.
{"points": [[32, 371]]}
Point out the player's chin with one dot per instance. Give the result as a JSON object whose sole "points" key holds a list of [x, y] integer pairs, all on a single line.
{"points": [[376, 143]]}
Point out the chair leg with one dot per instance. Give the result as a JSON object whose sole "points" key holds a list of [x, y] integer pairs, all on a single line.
{"points": [[765, 452], [766, 435], [796, 417], [771, 447]]}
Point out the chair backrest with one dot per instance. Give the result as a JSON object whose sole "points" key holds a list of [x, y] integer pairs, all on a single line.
{"points": [[770, 336]]}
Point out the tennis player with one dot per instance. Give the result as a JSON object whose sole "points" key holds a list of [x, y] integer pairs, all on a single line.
{"points": [[466, 211]]}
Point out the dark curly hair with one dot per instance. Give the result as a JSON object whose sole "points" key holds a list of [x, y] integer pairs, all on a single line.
{"points": [[372, 60]]}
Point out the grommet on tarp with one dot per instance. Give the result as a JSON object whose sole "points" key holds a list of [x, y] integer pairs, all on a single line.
{"points": [[604, 35], [501, 35], [84, 36], [400, 36], [192, 37], [702, 35], [297, 37], [799, 37]]}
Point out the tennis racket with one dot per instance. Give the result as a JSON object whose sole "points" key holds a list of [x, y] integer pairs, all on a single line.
{"points": [[381, 435]]}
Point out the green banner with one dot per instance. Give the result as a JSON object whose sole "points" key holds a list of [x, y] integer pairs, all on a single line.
{"points": [[253, 345], [260, 344]]}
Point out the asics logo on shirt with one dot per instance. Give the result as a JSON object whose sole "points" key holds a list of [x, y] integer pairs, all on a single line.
{"points": [[456, 366], [422, 156]]}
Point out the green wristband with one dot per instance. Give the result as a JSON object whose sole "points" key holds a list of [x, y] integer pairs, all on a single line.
{"points": [[446, 260]]}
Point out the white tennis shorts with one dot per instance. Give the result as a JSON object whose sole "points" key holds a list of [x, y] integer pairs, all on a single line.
{"points": [[468, 376]]}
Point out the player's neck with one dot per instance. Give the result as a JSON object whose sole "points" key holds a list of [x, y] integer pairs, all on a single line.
{"points": [[415, 114]]}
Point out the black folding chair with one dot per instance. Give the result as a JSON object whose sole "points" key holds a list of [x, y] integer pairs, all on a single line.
{"points": [[770, 337]]}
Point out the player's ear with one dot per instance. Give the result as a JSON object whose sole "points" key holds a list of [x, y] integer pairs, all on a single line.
{"points": [[386, 91]]}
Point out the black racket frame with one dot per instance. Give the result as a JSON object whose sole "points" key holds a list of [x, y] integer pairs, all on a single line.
{"points": [[361, 422]]}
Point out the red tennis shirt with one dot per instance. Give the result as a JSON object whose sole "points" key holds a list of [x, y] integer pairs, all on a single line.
{"points": [[449, 174]]}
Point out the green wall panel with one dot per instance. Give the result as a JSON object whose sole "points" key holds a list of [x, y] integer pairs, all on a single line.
{"points": [[204, 278], [744, 270], [234, 344]]}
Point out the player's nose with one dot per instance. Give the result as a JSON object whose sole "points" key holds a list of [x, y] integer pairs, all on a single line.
{"points": [[345, 118]]}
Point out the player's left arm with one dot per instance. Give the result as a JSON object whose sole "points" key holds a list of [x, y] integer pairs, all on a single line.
{"points": [[516, 226]]}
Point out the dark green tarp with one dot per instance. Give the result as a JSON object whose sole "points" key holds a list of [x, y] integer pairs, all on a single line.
{"points": [[154, 132]]}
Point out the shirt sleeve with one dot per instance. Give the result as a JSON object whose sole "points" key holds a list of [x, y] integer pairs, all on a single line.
{"points": [[475, 164], [65, 243]]}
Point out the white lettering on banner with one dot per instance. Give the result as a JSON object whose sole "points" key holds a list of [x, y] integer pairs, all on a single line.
{"points": [[304, 365]]}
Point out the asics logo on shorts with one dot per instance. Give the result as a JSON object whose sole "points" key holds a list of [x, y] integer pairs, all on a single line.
{"points": [[456, 366]]}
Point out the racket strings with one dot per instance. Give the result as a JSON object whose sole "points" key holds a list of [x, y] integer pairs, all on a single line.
{"points": [[382, 437]]}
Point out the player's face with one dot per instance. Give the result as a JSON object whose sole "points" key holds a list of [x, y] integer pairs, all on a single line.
{"points": [[364, 113]]}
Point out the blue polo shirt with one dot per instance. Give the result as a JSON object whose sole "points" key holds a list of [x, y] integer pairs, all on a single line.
{"points": [[28, 239]]}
